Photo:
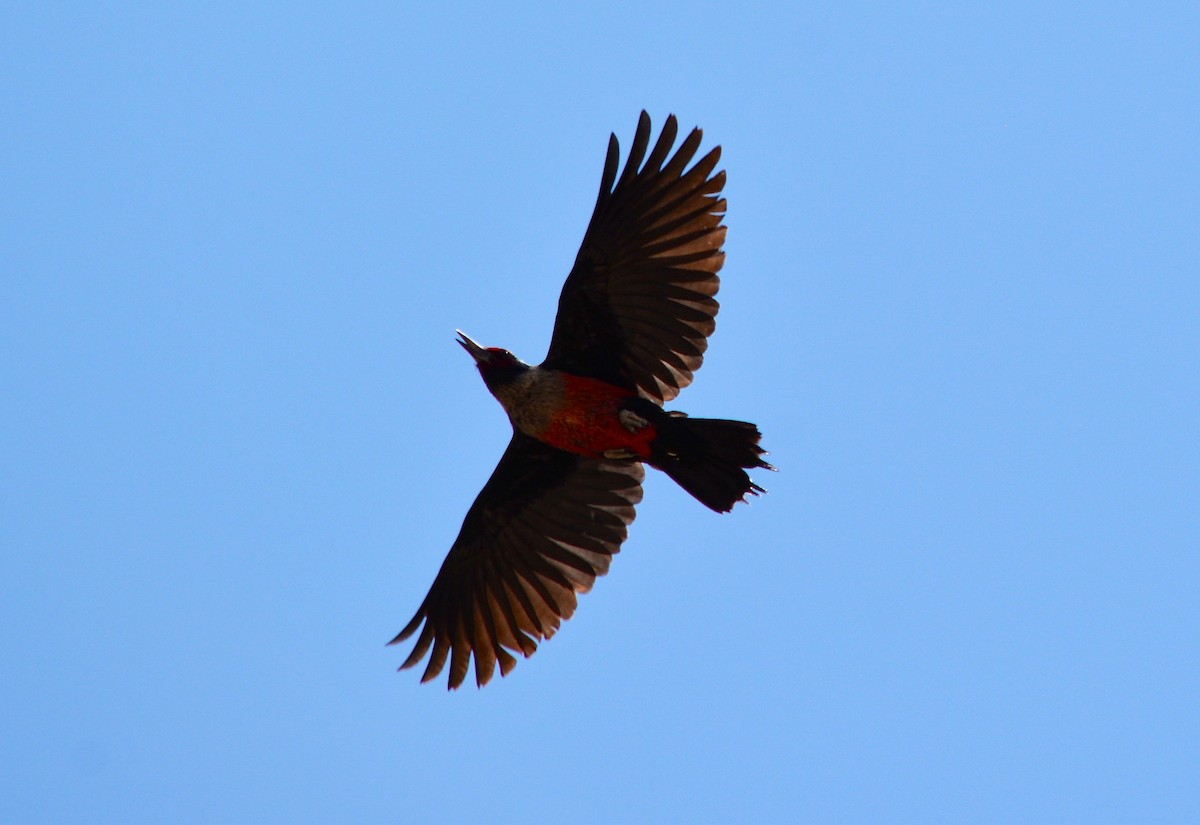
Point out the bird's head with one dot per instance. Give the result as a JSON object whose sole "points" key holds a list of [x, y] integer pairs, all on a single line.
{"points": [[496, 365]]}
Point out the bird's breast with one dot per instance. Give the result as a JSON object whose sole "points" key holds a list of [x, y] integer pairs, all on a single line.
{"points": [[577, 414]]}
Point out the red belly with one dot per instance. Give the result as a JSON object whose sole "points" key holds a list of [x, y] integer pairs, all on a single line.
{"points": [[588, 424]]}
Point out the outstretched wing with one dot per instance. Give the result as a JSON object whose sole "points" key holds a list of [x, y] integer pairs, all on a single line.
{"points": [[545, 525], [638, 306]]}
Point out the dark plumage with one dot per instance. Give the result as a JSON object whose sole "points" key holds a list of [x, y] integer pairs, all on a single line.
{"points": [[632, 327]]}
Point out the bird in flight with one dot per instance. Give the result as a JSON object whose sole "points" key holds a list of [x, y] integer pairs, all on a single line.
{"points": [[633, 321]]}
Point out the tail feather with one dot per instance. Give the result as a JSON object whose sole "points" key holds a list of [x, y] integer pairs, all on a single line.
{"points": [[709, 457]]}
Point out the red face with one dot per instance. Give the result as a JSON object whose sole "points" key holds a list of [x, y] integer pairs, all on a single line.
{"points": [[499, 358], [496, 365]]}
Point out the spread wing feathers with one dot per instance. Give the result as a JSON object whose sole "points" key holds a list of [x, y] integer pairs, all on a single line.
{"points": [[638, 306], [545, 525]]}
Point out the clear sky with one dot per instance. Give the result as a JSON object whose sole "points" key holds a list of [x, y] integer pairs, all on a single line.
{"points": [[237, 437]]}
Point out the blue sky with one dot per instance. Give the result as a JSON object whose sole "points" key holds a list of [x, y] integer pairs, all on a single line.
{"points": [[237, 436]]}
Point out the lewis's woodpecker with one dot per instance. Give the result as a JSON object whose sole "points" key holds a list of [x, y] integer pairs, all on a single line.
{"points": [[633, 322]]}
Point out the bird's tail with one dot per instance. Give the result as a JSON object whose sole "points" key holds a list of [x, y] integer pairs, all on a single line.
{"points": [[709, 457]]}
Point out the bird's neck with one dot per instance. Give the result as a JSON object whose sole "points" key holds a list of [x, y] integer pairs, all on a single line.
{"points": [[531, 396]]}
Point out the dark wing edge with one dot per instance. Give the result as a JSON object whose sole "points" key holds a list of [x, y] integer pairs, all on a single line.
{"points": [[544, 527], [639, 304]]}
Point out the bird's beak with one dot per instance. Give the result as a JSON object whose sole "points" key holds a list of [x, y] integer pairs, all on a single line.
{"points": [[479, 353]]}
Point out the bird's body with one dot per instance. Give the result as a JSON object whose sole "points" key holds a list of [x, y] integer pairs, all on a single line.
{"points": [[596, 421], [581, 415], [633, 321]]}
